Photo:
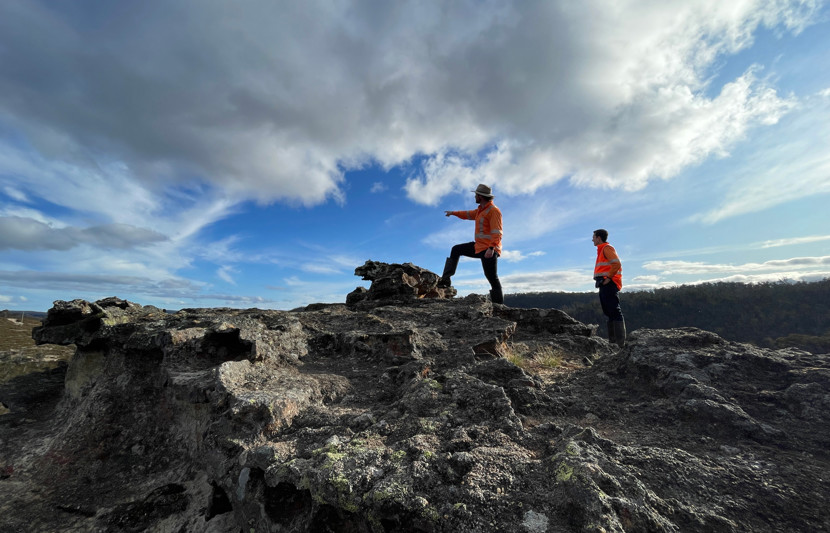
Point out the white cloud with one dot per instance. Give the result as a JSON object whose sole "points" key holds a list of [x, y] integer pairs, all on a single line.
{"points": [[29, 213], [226, 274], [544, 281], [514, 256], [670, 268], [280, 113], [171, 292], [794, 241], [759, 245], [645, 279], [769, 278], [29, 234], [649, 286], [320, 269], [787, 165], [378, 187], [15, 194], [106, 284]]}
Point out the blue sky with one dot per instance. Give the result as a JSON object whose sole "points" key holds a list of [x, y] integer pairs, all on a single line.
{"points": [[252, 154]]}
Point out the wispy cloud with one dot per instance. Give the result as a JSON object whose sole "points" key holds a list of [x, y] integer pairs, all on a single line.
{"points": [[174, 291], [787, 166], [758, 245], [515, 256], [321, 269], [98, 284], [542, 281], [794, 241], [15, 194], [30, 234], [226, 274], [774, 277], [669, 268]]}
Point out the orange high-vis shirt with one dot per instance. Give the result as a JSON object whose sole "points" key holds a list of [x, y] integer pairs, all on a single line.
{"points": [[608, 264], [488, 226]]}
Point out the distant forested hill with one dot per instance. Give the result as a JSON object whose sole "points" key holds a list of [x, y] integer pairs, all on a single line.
{"points": [[768, 314]]}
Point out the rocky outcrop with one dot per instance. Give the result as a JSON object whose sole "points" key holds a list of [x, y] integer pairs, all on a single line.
{"points": [[395, 284], [409, 410]]}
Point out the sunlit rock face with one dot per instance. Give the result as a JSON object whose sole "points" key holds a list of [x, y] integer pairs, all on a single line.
{"points": [[409, 409]]}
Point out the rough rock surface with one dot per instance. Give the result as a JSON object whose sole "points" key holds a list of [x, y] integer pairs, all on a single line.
{"points": [[402, 413]]}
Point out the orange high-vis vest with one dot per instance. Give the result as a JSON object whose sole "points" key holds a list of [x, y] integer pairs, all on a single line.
{"points": [[488, 226], [608, 264]]}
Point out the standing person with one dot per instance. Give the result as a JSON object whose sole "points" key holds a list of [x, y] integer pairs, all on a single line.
{"points": [[487, 244], [608, 278]]}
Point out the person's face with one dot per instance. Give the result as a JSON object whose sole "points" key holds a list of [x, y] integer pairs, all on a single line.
{"points": [[597, 241]]}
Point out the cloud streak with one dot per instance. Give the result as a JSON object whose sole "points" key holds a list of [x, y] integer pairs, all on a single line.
{"points": [[28, 234], [788, 166], [669, 268]]}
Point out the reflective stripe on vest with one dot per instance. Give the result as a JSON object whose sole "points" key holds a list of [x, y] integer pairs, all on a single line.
{"points": [[480, 224]]}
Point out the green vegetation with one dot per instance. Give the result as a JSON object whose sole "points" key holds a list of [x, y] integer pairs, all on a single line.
{"points": [[564, 472], [773, 315]]}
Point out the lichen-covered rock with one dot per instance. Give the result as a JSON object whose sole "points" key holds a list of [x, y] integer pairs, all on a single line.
{"points": [[421, 415]]}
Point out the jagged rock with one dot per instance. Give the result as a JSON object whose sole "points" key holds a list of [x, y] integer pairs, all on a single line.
{"points": [[411, 416], [395, 284]]}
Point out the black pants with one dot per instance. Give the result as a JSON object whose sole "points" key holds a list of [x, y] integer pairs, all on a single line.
{"points": [[609, 298], [490, 266]]}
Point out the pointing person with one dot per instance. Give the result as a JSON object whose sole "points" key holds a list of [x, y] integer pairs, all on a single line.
{"points": [[487, 244], [608, 278]]}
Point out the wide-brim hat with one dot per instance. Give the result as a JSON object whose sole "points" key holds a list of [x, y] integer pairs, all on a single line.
{"points": [[484, 190]]}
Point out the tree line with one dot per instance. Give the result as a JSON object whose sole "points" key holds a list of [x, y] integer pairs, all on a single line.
{"points": [[772, 315]]}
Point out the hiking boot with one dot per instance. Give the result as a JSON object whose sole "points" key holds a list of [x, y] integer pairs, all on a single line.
{"points": [[497, 297]]}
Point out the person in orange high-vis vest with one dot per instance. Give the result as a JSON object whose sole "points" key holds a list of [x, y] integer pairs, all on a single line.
{"points": [[487, 244], [608, 278]]}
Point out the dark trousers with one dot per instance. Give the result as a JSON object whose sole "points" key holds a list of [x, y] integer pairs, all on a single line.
{"points": [[609, 297], [490, 266]]}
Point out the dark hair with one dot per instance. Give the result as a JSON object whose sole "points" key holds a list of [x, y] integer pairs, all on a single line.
{"points": [[602, 234]]}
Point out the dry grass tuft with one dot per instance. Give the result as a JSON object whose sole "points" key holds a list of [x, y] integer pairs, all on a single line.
{"points": [[535, 359]]}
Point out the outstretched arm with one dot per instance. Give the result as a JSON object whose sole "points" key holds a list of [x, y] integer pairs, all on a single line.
{"points": [[464, 215]]}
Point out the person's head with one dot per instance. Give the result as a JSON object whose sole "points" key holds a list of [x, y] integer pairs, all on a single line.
{"points": [[483, 193], [600, 236]]}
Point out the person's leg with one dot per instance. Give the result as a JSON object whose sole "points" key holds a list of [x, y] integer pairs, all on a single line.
{"points": [[610, 299], [468, 249], [491, 272], [609, 296]]}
